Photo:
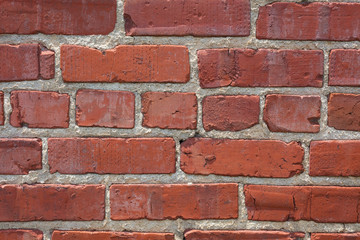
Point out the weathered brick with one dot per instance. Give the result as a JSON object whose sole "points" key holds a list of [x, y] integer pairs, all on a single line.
{"points": [[75, 17], [126, 63], [21, 234], [335, 236], [328, 204], [292, 113], [196, 201], [344, 65], [25, 62], [230, 113], [190, 17], [260, 68], [2, 115], [20, 155], [171, 110], [48, 202], [344, 111], [101, 235], [96, 108], [310, 21], [36, 109], [335, 158], [111, 155], [255, 158], [243, 234]]}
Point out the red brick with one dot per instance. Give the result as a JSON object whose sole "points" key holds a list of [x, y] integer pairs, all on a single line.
{"points": [[76, 17], [20, 155], [344, 111], [230, 113], [21, 234], [255, 158], [310, 21], [335, 158], [292, 113], [171, 110], [48, 202], [335, 236], [111, 155], [191, 17], [344, 67], [96, 108], [243, 234], [25, 62], [2, 115], [37, 109], [195, 201], [260, 68], [101, 235], [312, 203], [146, 63]]}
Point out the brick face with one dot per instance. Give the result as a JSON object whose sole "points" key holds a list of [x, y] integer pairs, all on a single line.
{"points": [[156, 202], [255, 158], [260, 68], [76, 17], [21, 234], [111, 155], [125, 64], [335, 236], [2, 117], [99, 235], [20, 155], [48, 202], [196, 18], [314, 21]]}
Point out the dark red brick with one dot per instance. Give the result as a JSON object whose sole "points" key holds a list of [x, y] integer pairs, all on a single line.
{"points": [[96, 108], [21, 234], [75, 17], [37, 109], [230, 113], [196, 201], [2, 114], [20, 155], [310, 21], [101, 235], [48, 202], [260, 68], [191, 17], [292, 113], [335, 236], [172, 110], [111, 155], [126, 63], [25, 62], [255, 158]]}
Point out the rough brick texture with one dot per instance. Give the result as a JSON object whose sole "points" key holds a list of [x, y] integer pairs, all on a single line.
{"points": [[344, 111], [111, 155], [169, 110], [190, 17], [290, 113], [25, 62], [99, 235], [311, 203], [20, 155], [203, 201], [312, 21], [256, 158], [125, 64], [78, 17], [36, 109], [260, 68], [244, 234], [335, 236], [21, 234], [335, 158], [48, 202], [230, 113], [344, 67], [2, 117], [96, 108]]}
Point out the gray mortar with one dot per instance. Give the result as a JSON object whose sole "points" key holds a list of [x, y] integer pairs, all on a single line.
{"points": [[260, 131]]}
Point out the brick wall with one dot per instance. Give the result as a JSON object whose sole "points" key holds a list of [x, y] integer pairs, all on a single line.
{"points": [[170, 120]]}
